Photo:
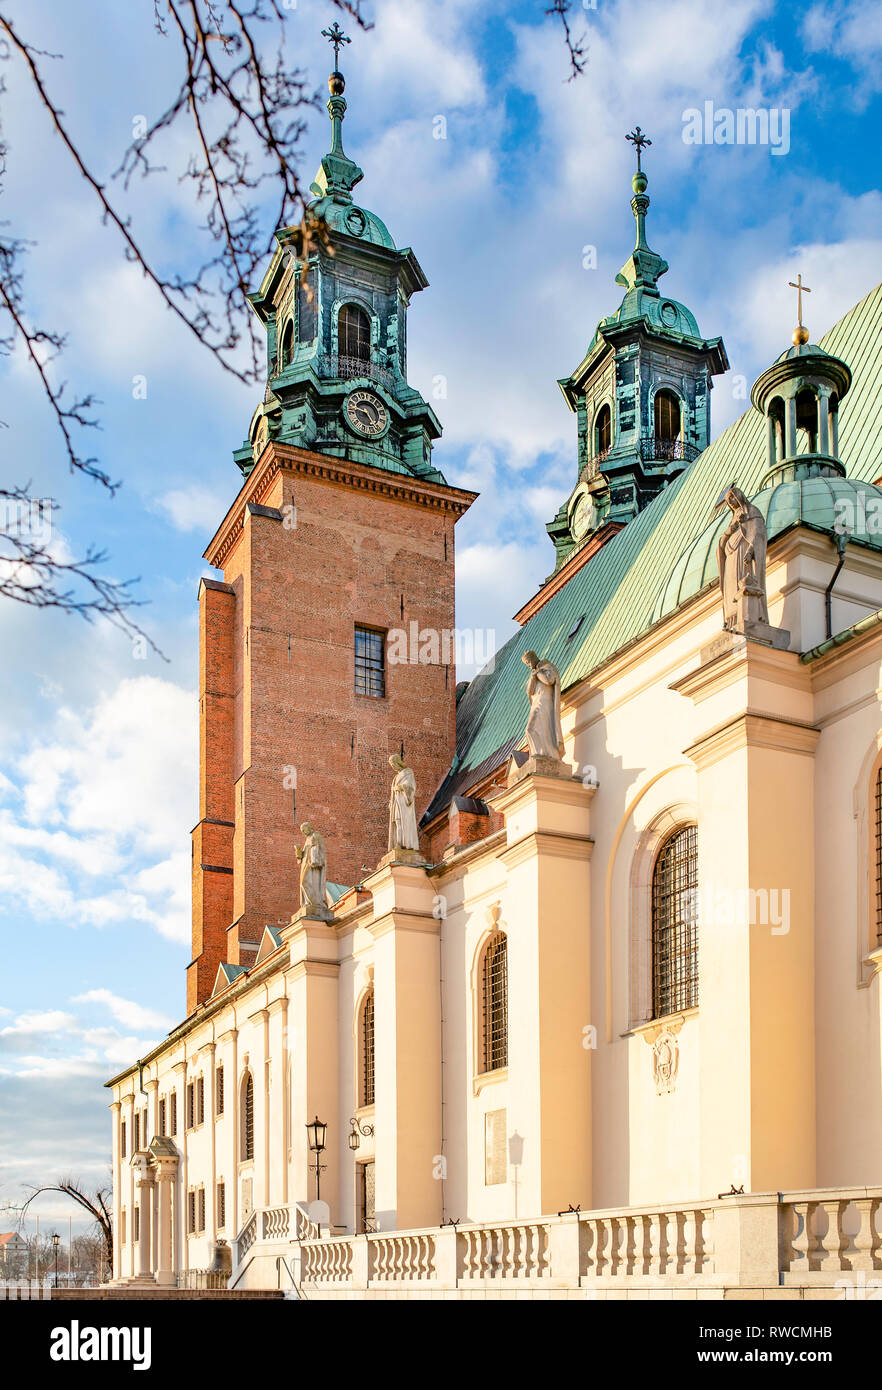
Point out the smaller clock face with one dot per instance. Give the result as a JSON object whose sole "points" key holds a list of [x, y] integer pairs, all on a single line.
{"points": [[583, 516], [366, 413]]}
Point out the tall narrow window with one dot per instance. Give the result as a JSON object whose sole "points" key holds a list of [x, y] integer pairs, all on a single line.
{"points": [[122, 1229], [354, 333], [247, 1148], [602, 431], [667, 416], [122, 1140], [136, 1132], [191, 1105], [173, 1108], [201, 1226], [162, 1128], [494, 1003], [191, 1213], [221, 1206], [367, 1049], [136, 1223], [200, 1101], [286, 356], [370, 662], [878, 814], [219, 1091], [674, 928]]}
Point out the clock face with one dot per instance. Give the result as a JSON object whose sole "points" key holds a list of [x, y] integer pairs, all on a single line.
{"points": [[366, 413], [583, 516]]}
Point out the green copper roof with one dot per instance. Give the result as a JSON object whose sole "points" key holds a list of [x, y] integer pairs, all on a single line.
{"points": [[616, 593]]}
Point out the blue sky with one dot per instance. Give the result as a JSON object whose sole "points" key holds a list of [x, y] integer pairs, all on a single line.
{"points": [[97, 755]]}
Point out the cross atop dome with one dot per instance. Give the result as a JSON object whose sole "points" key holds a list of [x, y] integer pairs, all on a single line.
{"points": [[335, 36], [639, 139], [800, 333]]}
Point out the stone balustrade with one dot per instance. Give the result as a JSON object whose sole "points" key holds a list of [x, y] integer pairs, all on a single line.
{"points": [[757, 1240]]}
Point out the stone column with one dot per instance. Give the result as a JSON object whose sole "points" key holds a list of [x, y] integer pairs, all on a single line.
{"points": [[407, 1047], [181, 1242], [546, 915], [823, 420], [117, 1189], [790, 427], [314, 1002], [211, 1184], [144, 1184], [165, 1273], [754, 750]]}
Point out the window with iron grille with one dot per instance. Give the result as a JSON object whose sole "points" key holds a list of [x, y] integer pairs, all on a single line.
{"points": [[494, 1003], [136, 1132], [200, 1101], [370, 662], [191, 1213], [367, 1050], [136, 1223], [201, 1201], [219, 1091], [173, 1106], [122, 1140], [354, 333], [191, 1105], [879, 856], [221, 1206], [248, 1118], [162, 1128], [674, 928]]}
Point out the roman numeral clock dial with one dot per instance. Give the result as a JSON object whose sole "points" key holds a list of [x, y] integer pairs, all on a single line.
{"points": [[366, 413]]}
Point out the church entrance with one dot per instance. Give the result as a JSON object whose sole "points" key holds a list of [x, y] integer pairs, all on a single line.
{"points": [[365, 1197]]}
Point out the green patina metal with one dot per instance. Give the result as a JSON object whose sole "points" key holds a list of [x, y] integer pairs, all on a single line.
{"points": [[340, 255], [650, 344], [617, 594]]}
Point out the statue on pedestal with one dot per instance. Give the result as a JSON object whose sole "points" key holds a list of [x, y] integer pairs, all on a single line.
{"points": [[313, 870], [403, 831], [544, 733], [741, 556]]}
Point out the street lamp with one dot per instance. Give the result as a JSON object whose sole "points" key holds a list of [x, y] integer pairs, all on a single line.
{"points": [[366, 1131], [56, 1241], [317, 1131]]}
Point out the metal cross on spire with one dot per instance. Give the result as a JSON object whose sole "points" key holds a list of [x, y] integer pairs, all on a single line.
{"points": [[335, 36], [639, 140], [801, 289]]}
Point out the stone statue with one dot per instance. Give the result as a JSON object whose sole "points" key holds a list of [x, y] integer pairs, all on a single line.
{"points": [[544, 733], [741, 556], [313, 870], [403, 833]]}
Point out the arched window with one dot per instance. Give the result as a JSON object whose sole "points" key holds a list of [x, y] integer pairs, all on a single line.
{"points": [[807, 417], [602, 431], [667, 416], [287, 354], [877, 829], [674, 925], [354, 333], [247, 1118], [367, 1049], [494, 1003]]}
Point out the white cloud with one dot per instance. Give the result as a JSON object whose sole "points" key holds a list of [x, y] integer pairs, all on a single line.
{"points": [[194, 508], [125, 1011], [47, 1021]]}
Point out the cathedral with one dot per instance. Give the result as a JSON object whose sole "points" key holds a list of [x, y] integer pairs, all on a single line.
{"points": [[564, 981]]}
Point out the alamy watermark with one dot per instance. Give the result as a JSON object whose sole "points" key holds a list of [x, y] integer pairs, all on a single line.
{"points": [[429, 646], [747, 125]]}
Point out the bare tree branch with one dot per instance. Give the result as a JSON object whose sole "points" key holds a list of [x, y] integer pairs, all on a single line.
{"points": [[576, 48]]}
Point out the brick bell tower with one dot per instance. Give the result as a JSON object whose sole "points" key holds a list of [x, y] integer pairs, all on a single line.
{"points": [[337, 552]]}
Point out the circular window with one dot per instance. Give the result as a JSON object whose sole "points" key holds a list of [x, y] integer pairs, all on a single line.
{"points": [[669, 314], [356, 221]]}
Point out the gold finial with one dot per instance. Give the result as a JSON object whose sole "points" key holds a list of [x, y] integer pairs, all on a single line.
{"points": [[800, 333]]}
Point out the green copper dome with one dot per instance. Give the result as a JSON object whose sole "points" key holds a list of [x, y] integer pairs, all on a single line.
{"points": [[348, 218], [810, 502]]}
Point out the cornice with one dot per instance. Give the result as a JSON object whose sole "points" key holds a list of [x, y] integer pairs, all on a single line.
{"points": [[560, 844], [753, 729], [285, 458]]}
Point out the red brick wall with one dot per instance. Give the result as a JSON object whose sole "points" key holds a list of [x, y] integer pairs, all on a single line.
{"points": [[278, 686]]}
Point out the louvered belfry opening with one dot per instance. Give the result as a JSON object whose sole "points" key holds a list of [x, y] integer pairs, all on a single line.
{"points": [[354, 333], [495, 1002], [674, 925]]}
